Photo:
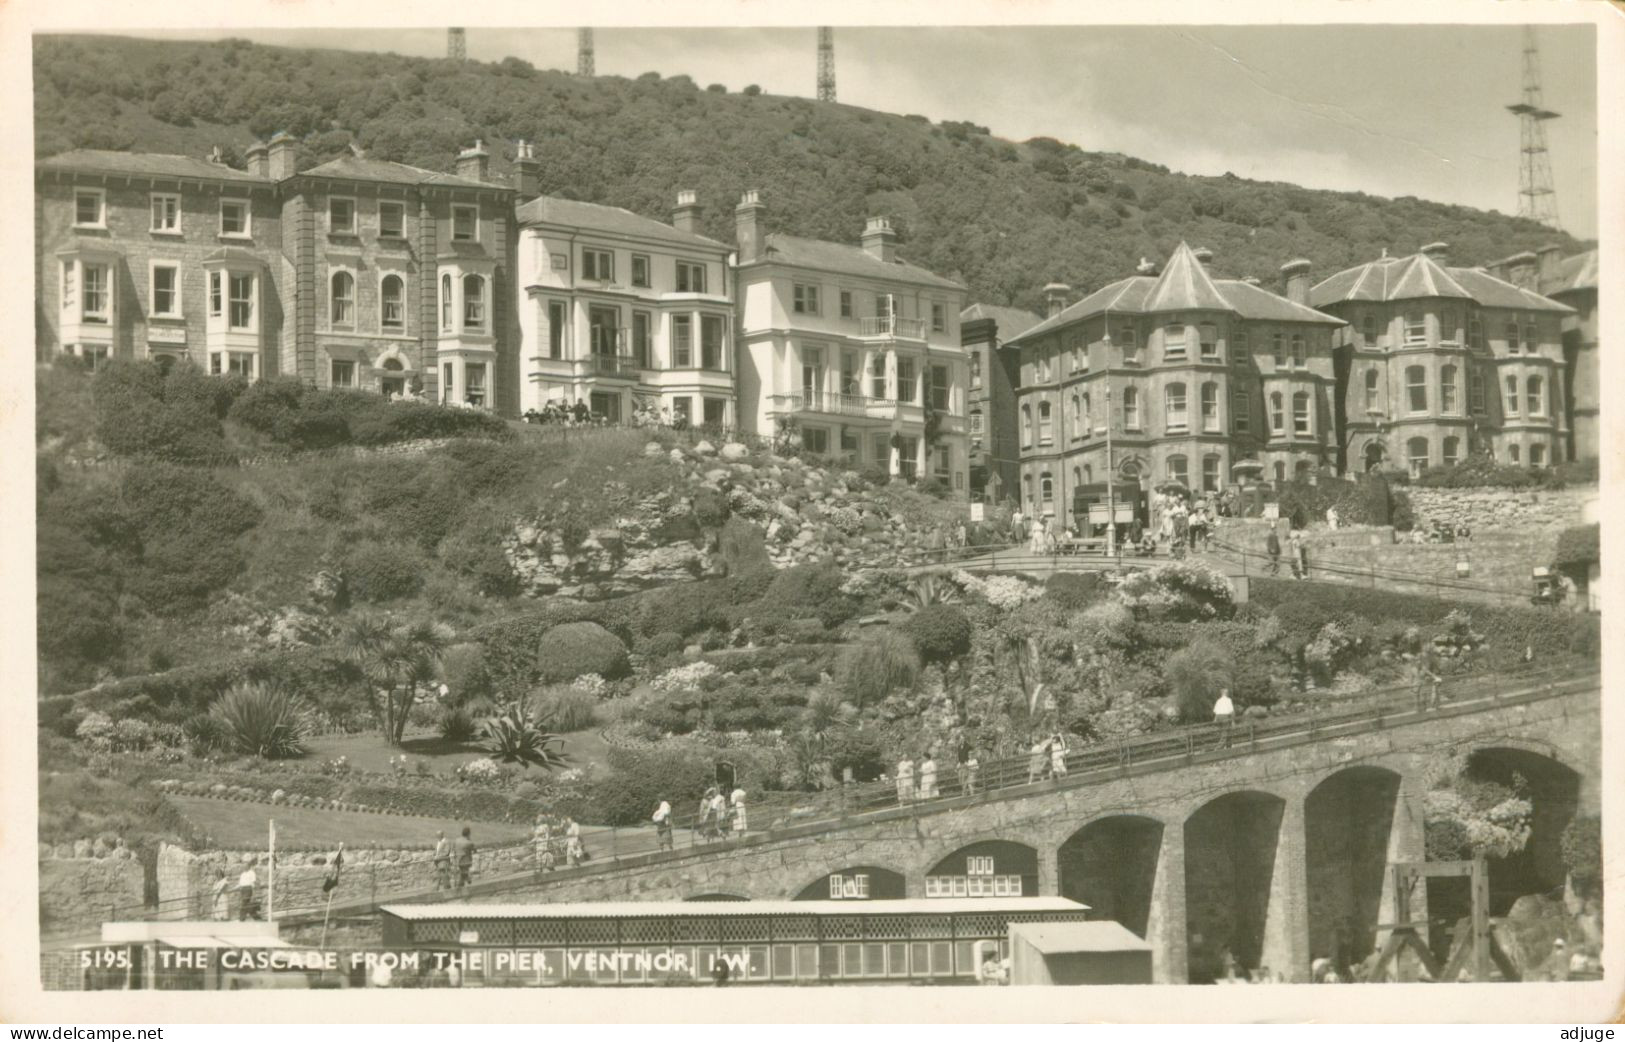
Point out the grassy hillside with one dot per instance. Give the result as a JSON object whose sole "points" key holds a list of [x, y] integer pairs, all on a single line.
{"points": [[1005, 217]]}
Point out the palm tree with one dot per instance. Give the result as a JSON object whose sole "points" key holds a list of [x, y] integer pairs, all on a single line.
{"points": [[396, 662], [364, 640]]}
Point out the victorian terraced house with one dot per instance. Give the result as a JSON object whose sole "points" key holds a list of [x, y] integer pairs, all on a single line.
{"points": [[620, 311], [356, 273], [853, 347], [1437, 362], [1191, 374]]}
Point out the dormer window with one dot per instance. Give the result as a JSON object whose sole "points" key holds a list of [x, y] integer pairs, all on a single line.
{"points": [[340, 216]]}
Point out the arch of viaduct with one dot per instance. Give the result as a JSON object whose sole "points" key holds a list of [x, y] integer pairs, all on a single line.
{"points": [[1278, 856]]}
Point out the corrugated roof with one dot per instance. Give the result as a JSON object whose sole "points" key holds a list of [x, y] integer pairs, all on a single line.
{"points": [[1420, 276], [145, 164], [573, 213], [356, 168], [848, 260], [674, 909], [1102, 935], [1010, 322], [1183, 286], [1575, 273]]}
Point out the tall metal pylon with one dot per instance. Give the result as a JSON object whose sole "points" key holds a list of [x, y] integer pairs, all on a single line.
{"points": [[1537, 199], [585, 66], [456, 45], [826, 64]]}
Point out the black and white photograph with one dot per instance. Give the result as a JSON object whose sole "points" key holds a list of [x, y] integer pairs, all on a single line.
{"points": [[1012, 503]]}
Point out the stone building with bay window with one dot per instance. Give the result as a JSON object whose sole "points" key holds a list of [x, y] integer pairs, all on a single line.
{"points": [[620, 311], [1190, 372], [1437, 362], [355, 273], [853, 348]]}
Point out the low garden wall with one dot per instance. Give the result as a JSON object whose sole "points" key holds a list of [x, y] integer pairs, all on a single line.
{"points": [[80, 893]]}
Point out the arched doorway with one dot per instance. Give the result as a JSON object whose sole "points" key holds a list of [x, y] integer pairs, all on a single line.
{"points": [[1373, 456], [392, 378], [991, 868], [1111, 866], [1230, 845], [1348, 820], [857, 883]]}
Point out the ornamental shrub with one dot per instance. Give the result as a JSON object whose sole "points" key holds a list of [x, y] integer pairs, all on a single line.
{"points": [[1177, 591], [566, 652], [1582, 852], [1075, 590], [687, 608], [884, 663], [661, 646], [1481, 471], [565, 709], [378, 572], [1195, 676], [808, 591], [142, 411], [939, 631], [259, 720], [1578, 547]]}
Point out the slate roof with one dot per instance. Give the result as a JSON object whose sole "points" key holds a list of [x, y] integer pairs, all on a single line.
{"points": [[729, 909], [547, 209], [356, 168], [1575, 273], [145, 164], [1183, 285], [1420, 276], [848, 260], [1010, 322]]}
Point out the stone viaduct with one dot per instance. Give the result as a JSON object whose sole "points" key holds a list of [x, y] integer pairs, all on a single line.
{"points": [[1277, 854]]}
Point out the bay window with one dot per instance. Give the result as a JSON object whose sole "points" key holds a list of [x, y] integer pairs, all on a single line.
{"points": [[711, 353], [1175, 416], [906, 391], [96, 295], [1241, 409], [343, 300], [1210, 407], [1277, 414], [1449, 399], [1302, 417], [682, 342], [474, 302], [1131, 409], [1173, 340], [240, 300], [1416, 327], [1045, 425], [1512, 396], [1416, 388], [1536, 396], [1208, 336], [392, 302]]}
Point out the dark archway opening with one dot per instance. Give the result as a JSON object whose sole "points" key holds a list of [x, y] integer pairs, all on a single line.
{"points": [[1553, 791], [1229, 863], [1348, 820], [858, 883], [991, 868], [1111, 866]]}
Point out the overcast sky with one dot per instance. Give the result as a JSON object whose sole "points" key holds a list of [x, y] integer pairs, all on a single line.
{"points": [[1390, 110]]}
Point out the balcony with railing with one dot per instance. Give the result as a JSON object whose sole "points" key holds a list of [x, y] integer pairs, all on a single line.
{"points": [[891, 327], [621, 366]]}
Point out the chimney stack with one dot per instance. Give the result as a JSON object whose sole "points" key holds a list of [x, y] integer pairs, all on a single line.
{"points": [[879, 240], [284, 156], [1055, 298], [688, 215], [527, 171], [1295, 281], [1521, 269], [474, 163], [259, 163], [749, 227], [1551, 257], [1146, 267], [1438, 252], [1204, 255]]}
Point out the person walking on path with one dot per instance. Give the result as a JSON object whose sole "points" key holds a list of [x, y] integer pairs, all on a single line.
{"points": [[574, 851], [719, 812], [442, 863], [246, 881], [740, 823], [928, 778], [1272, 546], [1036, 758], [1057, 756], [1294, 553], [662, 820], [905, 782], [220, 896], [542, 839], [1224, 715], [1302, 551], [1018, 531], [463, 853], [706, 825]]}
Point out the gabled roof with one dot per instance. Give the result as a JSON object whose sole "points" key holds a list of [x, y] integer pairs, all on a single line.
{"points": [[1420, 276], [1010, 322], [1574, 274], [848, 260], [145, 164], [573, 213], [1183, 285], [356, 168]]}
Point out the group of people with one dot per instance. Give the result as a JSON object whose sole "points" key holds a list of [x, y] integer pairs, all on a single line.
{"points": [[1297, 553], [577, 415], [719, 816], [454, 861], [1440, 532], [1186, 526], [1047, 758], [228, 900], [557, 838]]}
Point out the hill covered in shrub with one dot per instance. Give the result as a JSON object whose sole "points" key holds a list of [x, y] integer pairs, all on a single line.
{"points": [[1005, 217]]}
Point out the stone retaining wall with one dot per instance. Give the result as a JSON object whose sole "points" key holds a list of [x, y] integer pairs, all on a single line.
{"points": [[81, 893], [1501, 508]]}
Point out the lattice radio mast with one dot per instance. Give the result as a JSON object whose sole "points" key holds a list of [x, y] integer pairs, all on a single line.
{"points": [[1537, 199], [585, 65], [456, 45], [826, 64]]}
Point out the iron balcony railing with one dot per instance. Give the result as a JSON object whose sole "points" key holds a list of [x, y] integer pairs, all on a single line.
{"points": [[892, 326], [611, 365]]}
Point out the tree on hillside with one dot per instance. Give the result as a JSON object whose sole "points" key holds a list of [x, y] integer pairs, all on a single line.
{"points": [[398, 664]]}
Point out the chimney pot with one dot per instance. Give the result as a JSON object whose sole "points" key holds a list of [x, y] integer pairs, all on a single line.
{"points": [[1521, 268], [1438, 252], [1055, 298], [749, 227], [688, 215], [526, 172], [879, 240], [474, 163], [284, 156], [1204, 255], [1295, 280]]}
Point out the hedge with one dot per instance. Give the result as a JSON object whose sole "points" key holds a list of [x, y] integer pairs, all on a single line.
{"points": [[1543, 629], [176, 694], [1484, 472], [1578, 546], [578, 648], [1364, 502]]}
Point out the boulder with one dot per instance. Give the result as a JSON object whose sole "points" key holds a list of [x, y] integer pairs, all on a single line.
{"points": [[733, 450], [677, 456], [705, 448]]}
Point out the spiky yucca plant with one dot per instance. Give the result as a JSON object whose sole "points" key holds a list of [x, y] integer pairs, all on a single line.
{"points": [[518, 737], [261, 720], [928, 590]]}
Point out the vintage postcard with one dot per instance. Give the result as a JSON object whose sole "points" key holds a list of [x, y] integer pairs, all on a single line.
{"points": [[1005, 502]]}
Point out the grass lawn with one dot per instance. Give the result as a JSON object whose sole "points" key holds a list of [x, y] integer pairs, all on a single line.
{"points": [[369, 752], [231, 824]]}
